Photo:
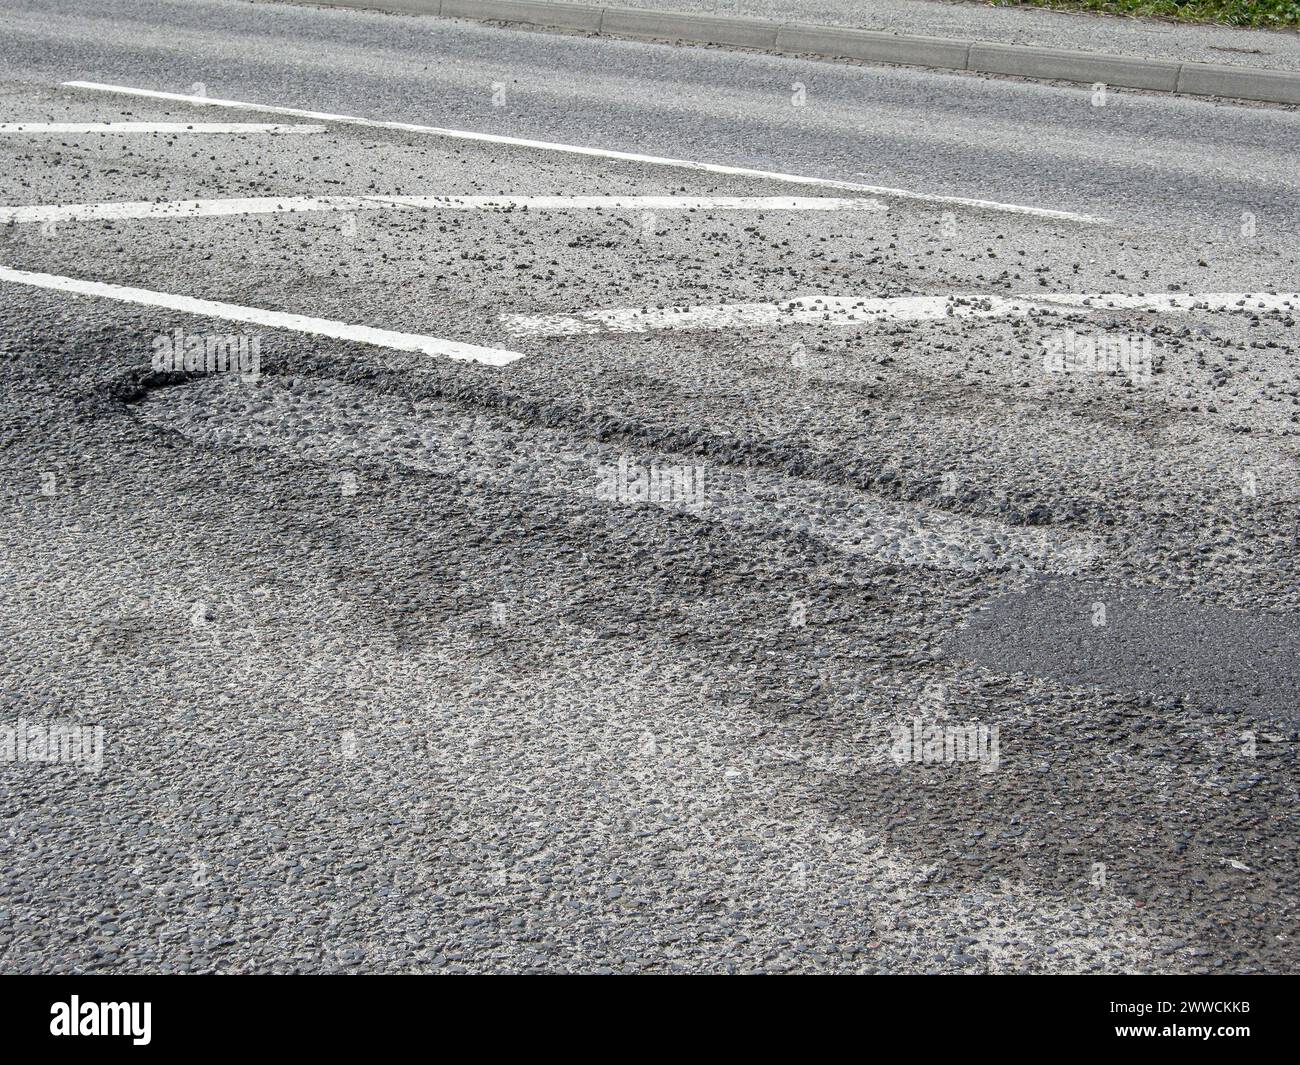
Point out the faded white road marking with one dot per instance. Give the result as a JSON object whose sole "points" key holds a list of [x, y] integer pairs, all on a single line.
{"points": [[155, 127], [604, 153], [839, 310], [639, 203], [1178, 301], [249, 205], [859, 310], [384, 338], [60, 212]]}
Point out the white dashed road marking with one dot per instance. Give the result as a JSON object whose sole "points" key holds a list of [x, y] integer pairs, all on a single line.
{"points": [[859, 310], [249, 205], [384, 338], [603, 153], [155, 127]]}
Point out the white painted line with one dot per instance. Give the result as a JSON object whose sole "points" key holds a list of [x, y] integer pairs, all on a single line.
{"points": [[384, 338], [1180, 301], [860, 310], [58, 212], [155, 127], [249, 205], [604, 153], [809, 310], [638, 203]]}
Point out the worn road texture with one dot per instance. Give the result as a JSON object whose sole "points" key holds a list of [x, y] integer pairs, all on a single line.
{"points": [[720, 630]]}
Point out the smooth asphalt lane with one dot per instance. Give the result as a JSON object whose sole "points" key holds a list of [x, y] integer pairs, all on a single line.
{"points": [[399, 673]]}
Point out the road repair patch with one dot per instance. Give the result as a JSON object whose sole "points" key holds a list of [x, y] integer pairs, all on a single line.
{"points": [[1141, 639]]}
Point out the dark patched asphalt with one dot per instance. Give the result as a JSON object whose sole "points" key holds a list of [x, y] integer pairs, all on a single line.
{"points": [[1145, 639]]}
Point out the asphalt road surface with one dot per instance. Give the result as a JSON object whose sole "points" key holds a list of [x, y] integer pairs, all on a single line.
{"points": [[439, 548]]}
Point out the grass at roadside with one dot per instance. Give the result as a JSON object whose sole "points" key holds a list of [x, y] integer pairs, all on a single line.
{"points": [[1264, 13]]}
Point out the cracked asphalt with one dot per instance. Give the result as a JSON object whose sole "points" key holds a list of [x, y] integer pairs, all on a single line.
{"points": [[758, 642]]}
